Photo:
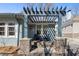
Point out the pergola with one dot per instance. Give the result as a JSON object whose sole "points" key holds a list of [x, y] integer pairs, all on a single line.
{"points": [[54, 11], [39, 15]]}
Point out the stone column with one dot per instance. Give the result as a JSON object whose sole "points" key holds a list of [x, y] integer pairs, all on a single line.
{"points": [[25, 46]]}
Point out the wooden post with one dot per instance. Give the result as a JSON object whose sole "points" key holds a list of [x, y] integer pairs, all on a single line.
{"points": [[59, 26]]}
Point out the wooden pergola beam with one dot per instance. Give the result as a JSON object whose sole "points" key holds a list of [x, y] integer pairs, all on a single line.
{"points": [[42, 19], [56, 10], [32, 10]]}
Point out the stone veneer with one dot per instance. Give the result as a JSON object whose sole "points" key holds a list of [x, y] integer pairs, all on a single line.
{"points": [[25, 46]]}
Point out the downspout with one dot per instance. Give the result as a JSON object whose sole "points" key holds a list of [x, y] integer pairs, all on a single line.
{"points": [[18, 34]]}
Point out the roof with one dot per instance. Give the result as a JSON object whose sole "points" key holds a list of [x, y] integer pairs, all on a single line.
{"points": [[11, 15], [71, 21], [76, 19], [67, 23], [7, 13]]}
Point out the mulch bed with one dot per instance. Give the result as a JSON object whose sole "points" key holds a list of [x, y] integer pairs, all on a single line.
{"points": [[8, 50]]}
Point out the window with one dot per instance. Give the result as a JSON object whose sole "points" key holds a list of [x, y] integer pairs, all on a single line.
{"points": [[45, 29], [11, 24], [2, 24], [11, 29], [2, 29], [39, 28], [7, 29]]}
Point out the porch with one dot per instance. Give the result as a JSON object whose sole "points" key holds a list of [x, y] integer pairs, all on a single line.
{"points": [[43, 23]]}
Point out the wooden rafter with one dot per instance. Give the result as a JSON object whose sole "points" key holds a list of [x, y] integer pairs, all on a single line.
{"points": [[56, 10], [32, 10], [42, 19]]}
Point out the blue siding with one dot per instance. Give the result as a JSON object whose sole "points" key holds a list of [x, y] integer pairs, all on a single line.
{"points": [[8, 41]]}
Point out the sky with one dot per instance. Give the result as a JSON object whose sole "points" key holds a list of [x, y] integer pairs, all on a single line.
{"points": [[10, 7], [18, 7]]}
